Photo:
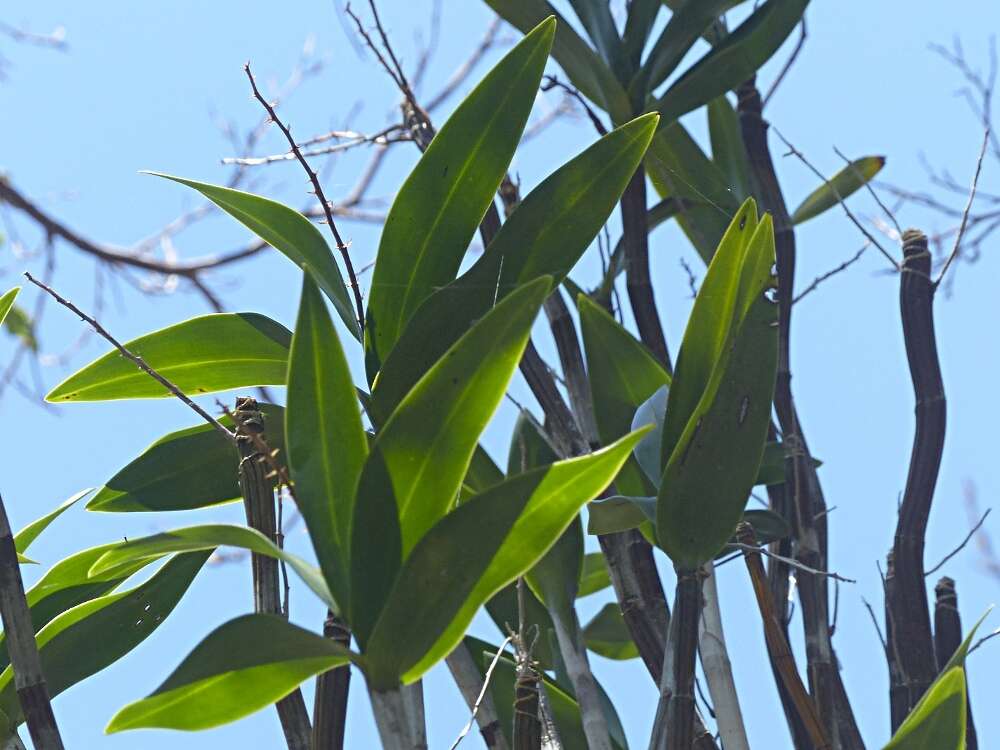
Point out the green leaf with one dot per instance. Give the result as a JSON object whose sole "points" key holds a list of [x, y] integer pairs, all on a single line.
{"points": [[686, 25], [289, 232], [201, 355], [616, 513], [27, 535], [848, 180], [67, 584], [208, 537], [505, 610], [441, 203], [708, 477], [594, 575], [19, 324], [327, 445], [595, 15], [91, 636], [638, 26], [428, 442], [938, 721], [191, 468], [546, 235], [582, 65], [728, 151], [557, 497], [734, 59], [220, 682], [606, 634], [556, 577], [768, 526], [7, 302]]}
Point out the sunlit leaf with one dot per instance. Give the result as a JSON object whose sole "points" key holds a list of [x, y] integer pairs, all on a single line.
{"points": [[938, 721], [218, 683], [289, 232], [27, 535], [201, 355], [7, 302], [848, 180], [438, 208]]}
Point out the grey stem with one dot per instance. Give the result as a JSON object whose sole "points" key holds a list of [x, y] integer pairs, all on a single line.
{"points": [[466, 674], [588, 695]]}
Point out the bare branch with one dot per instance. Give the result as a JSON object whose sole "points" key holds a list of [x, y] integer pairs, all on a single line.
{"points": [[833, 272], [960, 547], [968, 207], [803, 34]]}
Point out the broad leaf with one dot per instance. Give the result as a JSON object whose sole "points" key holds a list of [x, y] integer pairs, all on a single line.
{"points": [[219, 682], [289, 232], [848, 180], [208, 537], [606, 634], [327, 444], [27, 535], [430, 438], [191, 468], [546, 235], [594, 575], [582, 65], [712, 467], [438, 208], [560, 492], [201, 355], [87, 638], [938, 721], [734, 59], [7, 302]]}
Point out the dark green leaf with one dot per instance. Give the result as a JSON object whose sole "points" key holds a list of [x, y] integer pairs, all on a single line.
{"points": [[728, 151], [734, 59], [207, 537], [594, 575], [851, 178], [606, 634], [289, 232], [584, 67], [505, 610], [241, 667], [24, 538], [556, 498], [619, 513], [768, 526], [546, 235], [201, 355], [327, 445], [638, 26], [595, 15], [191, 468], [85, 639], [438, 208]]}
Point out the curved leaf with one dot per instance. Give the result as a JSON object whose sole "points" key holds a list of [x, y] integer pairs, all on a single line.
{"points": [[7, 301], [595, 15], [191, 468], [287, 231], [734, 59], [27, 535], [546, 235], [91, 636], [562, 490], [728, 152], [441, 203], [848, 180], [938, 721], [20, 325], [606, 634], [594, 575], [208, 537], [327, 444], [201, 355], [217, 683]]}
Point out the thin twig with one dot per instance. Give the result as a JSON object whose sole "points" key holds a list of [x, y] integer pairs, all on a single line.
{"points": [[318, 189], [959, 548], [968, 208], [878, 629], [803, 34], [482, 693], [791, 562], [833, 272], [135, 359]]}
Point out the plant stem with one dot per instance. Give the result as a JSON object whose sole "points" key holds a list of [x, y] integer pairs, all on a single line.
{"points": [[717, 667], [258, 501], [390, 718], [29, 680], [911, 623], [588, 695], [687, 612], [413, 705], [466, 675], [332, 689], [947, 639]]}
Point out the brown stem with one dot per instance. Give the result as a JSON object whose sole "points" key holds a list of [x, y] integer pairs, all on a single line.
{"points": [[332, 689], [258, 500], [806, 502], [898, 692], [637, 281], [687, 611], [777, 645], [911, 623], [29, 680], [527, 725], [571, 360], [947, 639]]}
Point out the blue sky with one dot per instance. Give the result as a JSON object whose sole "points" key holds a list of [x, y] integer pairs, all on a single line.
{"points": [[142, 86]]}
